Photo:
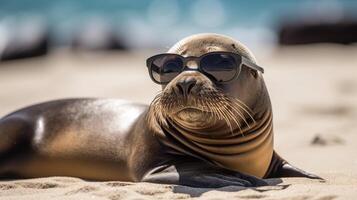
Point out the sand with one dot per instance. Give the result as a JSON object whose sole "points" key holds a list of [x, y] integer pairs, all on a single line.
{"points": [[314, 96]]}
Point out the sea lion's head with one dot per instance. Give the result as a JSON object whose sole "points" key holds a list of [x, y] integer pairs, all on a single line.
{"points": [[195, 101]]}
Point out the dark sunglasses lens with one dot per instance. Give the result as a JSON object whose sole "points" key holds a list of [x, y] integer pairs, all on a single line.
{"points": [[221, 67], [166, 67]]}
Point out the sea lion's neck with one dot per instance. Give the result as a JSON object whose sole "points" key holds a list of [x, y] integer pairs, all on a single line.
{"points": [[248, 150]]}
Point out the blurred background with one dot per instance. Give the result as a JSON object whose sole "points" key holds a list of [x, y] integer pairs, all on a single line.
{"points": [[95, 48], [124, 24]]}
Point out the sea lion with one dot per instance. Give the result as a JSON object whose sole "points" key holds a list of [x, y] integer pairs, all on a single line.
{"points": [[196, 132]]}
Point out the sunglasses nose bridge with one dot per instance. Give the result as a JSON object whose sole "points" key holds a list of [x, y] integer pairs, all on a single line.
{"points": [[191, 63]]}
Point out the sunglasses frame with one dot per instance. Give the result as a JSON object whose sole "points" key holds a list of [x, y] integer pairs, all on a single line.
{"points": [[241, 60]]}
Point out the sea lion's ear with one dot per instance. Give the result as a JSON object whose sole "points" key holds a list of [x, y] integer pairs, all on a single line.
{"points": [[254, 73]]}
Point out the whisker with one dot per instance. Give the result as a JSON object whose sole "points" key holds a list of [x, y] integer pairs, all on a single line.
{"points": [[234, 119], [240, 115], [242, 105]]}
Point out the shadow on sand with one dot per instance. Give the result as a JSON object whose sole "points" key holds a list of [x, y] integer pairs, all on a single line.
{"points": [[273, 184]]}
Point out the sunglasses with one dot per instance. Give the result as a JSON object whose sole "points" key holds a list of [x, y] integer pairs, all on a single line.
{"points": [[221, 67]]}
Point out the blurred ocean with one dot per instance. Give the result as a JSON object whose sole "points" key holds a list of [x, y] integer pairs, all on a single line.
{"points": [[159, 23]]}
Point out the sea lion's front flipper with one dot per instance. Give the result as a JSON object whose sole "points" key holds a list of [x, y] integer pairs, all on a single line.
{"points": [[281, 168], [288, 170], [204, 176]]}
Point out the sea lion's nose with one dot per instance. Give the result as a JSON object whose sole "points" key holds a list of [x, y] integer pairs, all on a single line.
{"points": [[185, 85]]}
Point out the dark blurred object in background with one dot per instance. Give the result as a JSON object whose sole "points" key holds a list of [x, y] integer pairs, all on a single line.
{"points": [[341, 32], [27, 39], [97, 35], [319, 22]]}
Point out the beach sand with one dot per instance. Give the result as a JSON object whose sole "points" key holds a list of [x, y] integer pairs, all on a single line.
{"points": [[314, 95]]}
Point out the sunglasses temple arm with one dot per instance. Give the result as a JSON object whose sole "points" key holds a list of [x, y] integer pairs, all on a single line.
{"points": [[252, 65]]}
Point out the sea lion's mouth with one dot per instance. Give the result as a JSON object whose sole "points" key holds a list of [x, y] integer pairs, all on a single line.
{"points": [[192, 114], [192, 109]]}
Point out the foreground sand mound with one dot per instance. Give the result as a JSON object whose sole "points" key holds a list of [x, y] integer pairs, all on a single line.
{"points": [[337, 186]]}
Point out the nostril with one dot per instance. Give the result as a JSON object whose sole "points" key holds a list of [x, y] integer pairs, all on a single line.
{"points": [[190, 85], [181, 89]]}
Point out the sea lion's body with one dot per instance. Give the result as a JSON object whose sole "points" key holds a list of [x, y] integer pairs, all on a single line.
{"points": [[89, 138], [116, 140], [97, 139]]}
